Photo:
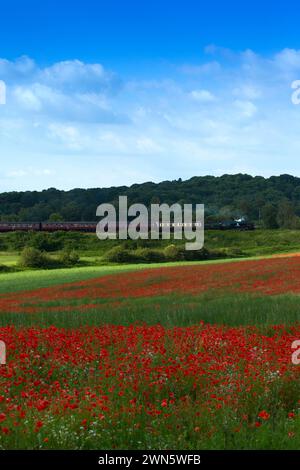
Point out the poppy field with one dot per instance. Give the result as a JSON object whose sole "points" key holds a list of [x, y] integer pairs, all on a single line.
{"points": [[185, 357]]}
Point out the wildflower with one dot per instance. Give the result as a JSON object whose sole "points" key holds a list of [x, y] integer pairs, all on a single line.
{"points": [[264, 415]]}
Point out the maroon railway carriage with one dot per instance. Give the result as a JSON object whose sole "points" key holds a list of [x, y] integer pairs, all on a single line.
{"points": [[68, 226], [47, 226], [20, 226]]}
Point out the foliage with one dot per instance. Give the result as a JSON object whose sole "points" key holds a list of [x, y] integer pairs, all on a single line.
{"points": [[119, 254], [34, 258], [224, 197], [4, 268], [269, 216], [173, 253], [148, 255], [68, 258]]}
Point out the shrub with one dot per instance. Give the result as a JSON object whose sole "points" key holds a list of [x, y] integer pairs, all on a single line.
{"points": [[44, 241], [197, 255], [119, 254], [34, 258], [147, 255], [68, 258], [4, 269], [173, 253]]}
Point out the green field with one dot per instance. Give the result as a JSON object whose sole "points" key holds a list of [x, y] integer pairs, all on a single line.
{"points": [[169, 311], [8, 259], [163, 356], [220, 244]]}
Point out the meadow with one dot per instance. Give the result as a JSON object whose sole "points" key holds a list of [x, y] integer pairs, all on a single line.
{"points": [[179, 356], [219, 244]]}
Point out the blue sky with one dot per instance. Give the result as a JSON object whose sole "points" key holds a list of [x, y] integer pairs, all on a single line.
{"points": [[104, 93]]}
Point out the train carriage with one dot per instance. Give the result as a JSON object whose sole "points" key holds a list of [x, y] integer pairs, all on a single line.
{"points": [[20, 226]]}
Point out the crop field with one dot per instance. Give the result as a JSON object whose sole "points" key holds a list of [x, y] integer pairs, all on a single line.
{"points": [[194, 356]]}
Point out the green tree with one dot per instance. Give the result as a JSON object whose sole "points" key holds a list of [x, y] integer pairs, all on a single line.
{"points": [[269, 216], [286, 217], [55, 217]]}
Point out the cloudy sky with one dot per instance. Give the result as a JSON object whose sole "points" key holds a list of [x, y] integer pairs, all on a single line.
{"points": [[101, 94]]}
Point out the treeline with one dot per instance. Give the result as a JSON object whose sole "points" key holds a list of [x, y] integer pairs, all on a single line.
{"points": [[271, 202]]}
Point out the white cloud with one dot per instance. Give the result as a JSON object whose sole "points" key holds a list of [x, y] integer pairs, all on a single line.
{"points": [[202, 96], [27, 98], [201, 69], [18, 70], [77, 76], [68, 135], [77, 124], [68, 90], [146, 145], [29, 172], [247, 91], [246, 108], [288, 59]]}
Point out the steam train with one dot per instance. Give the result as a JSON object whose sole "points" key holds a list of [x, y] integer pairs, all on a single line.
{"points": [[90, 227]]}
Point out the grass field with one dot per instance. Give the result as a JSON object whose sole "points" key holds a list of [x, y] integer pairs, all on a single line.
{"points": [[226, 244], [185, 356], [8, 259]]}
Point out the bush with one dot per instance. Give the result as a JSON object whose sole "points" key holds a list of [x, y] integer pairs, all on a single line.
{"points": [[197, 255], [119, 254], [68, 258], [147, 255], [4, 269], [34, 258], [173, 253], [43, 241]]}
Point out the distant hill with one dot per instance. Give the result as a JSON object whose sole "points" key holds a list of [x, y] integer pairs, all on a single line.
{"points": [[224, 197]]}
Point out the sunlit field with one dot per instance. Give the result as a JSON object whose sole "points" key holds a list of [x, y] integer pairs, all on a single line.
{"points": [[194, 356]]}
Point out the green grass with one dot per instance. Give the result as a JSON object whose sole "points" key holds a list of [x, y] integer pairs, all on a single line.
{"points": [[169, 310], [91, 250], [8, 259], [35, 279], [254, 243]]}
